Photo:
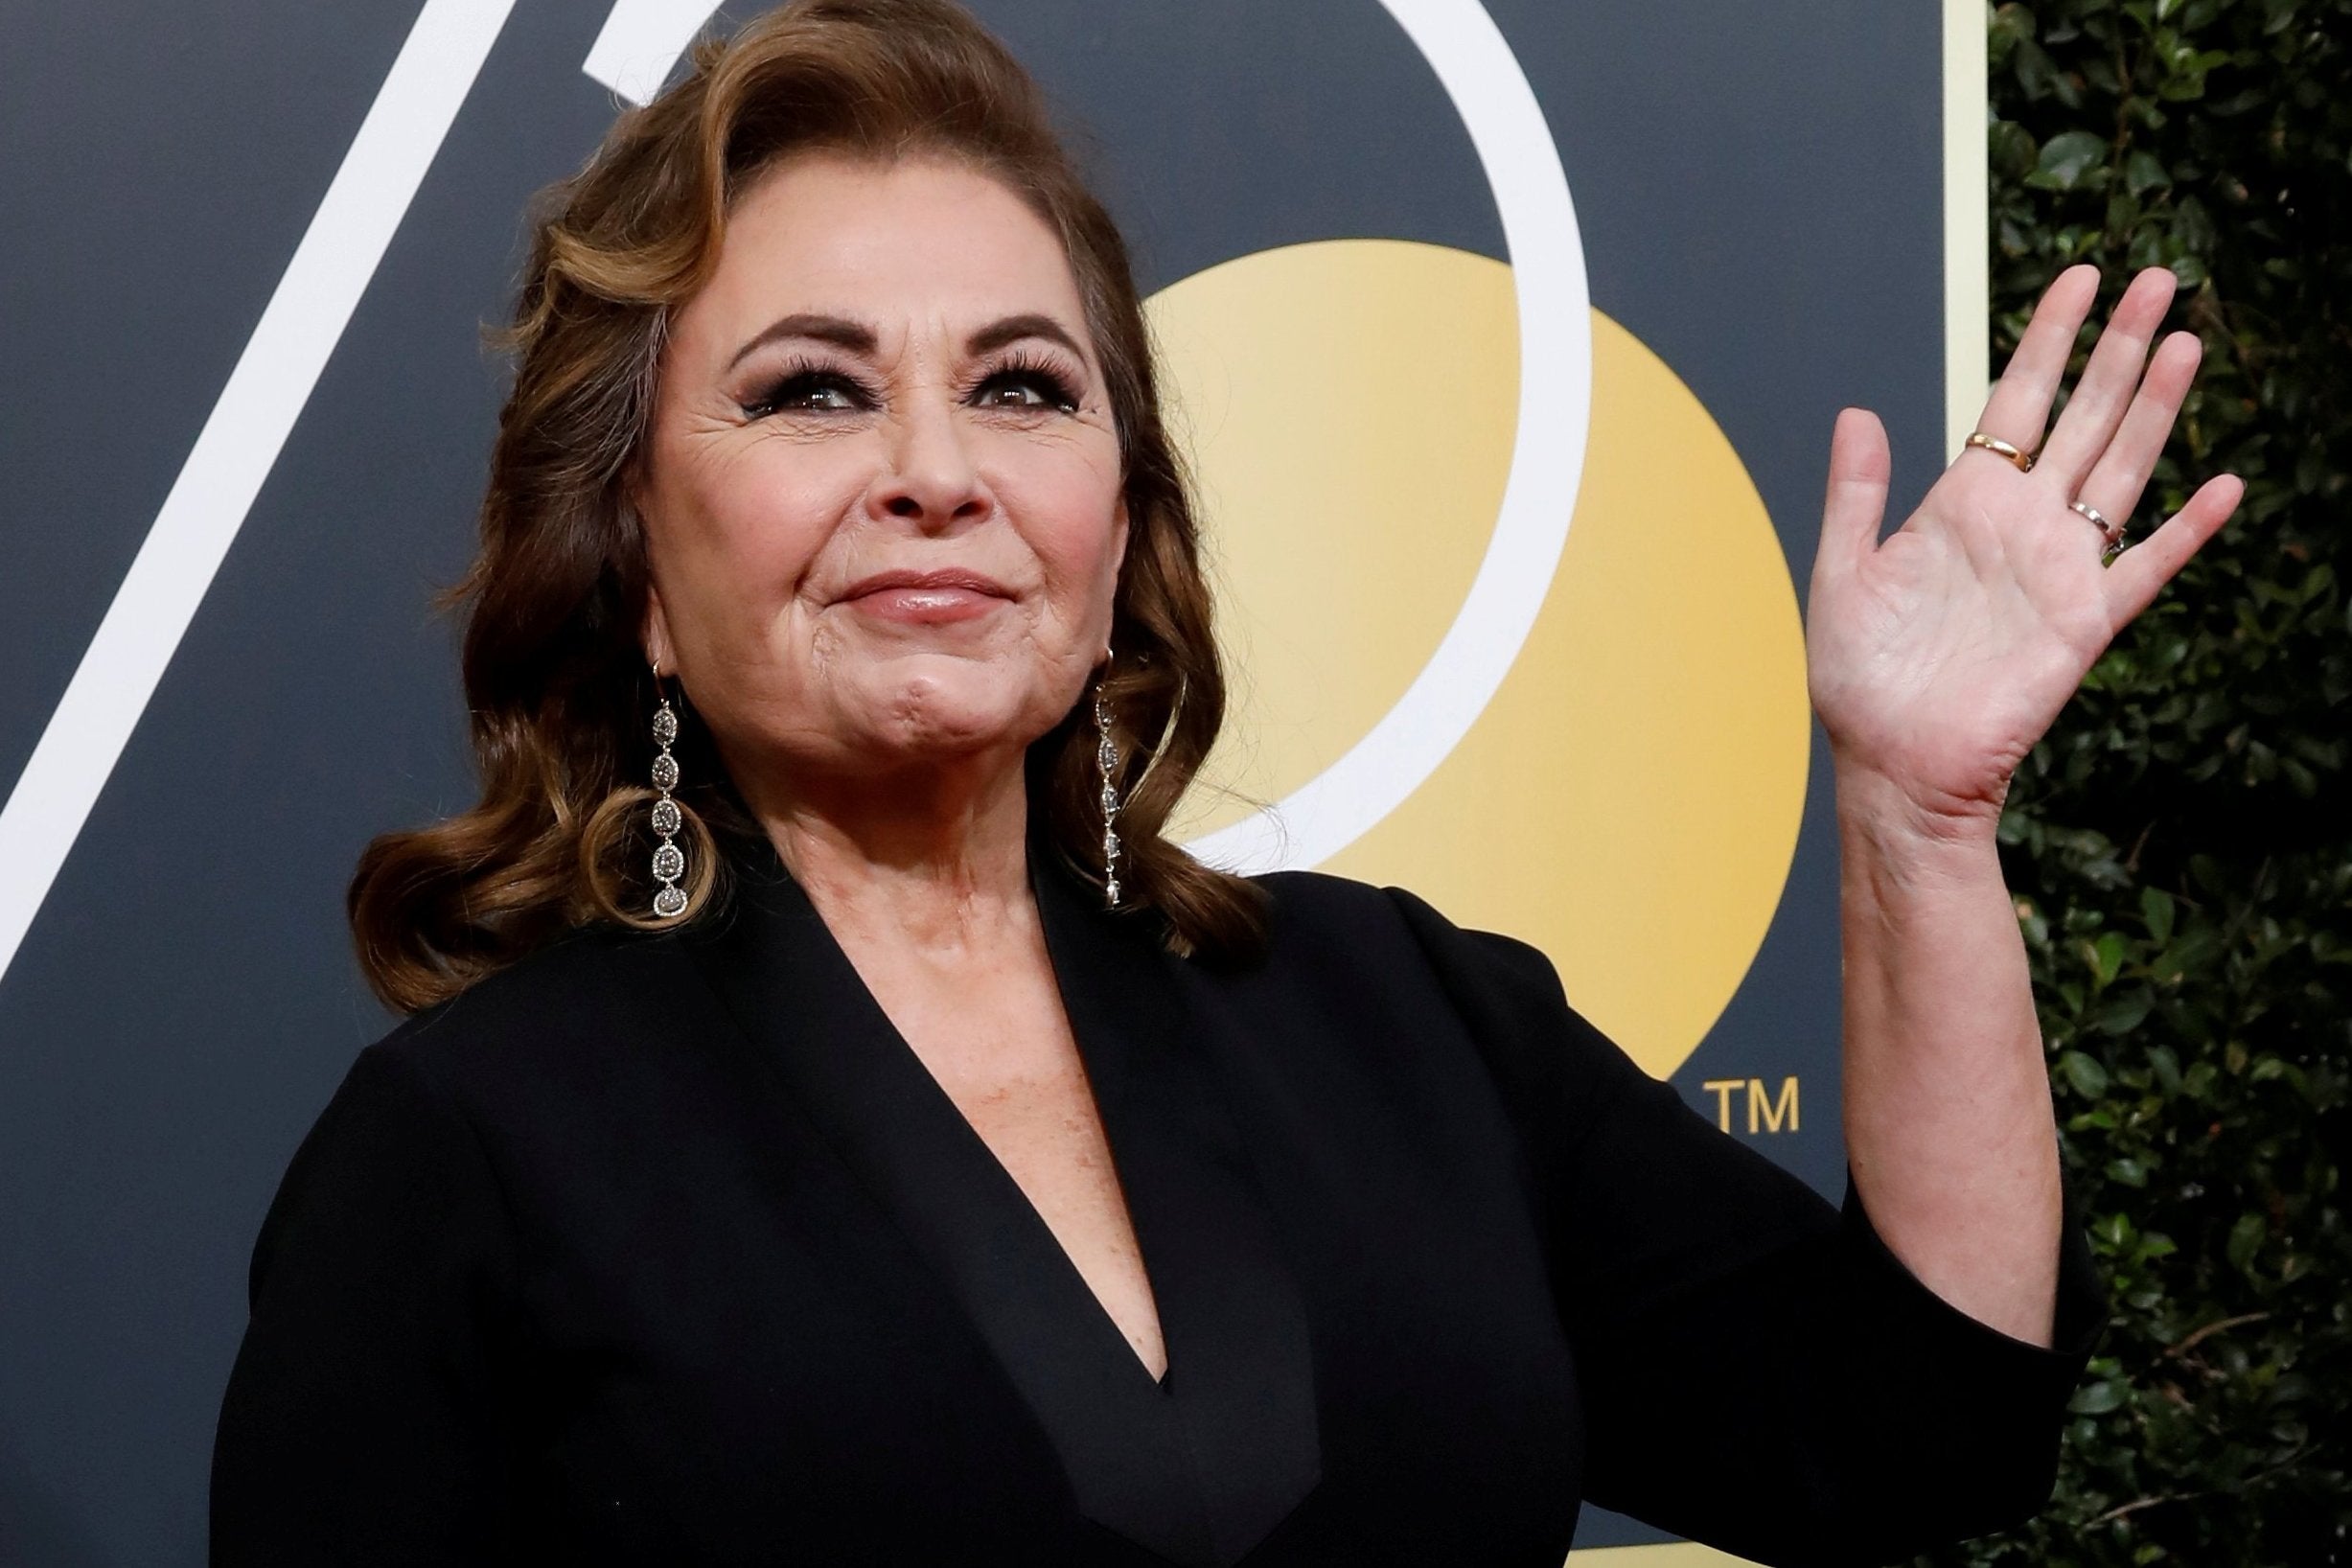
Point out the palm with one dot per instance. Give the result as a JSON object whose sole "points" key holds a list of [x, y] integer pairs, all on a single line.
{"points": [[1937, 657]]}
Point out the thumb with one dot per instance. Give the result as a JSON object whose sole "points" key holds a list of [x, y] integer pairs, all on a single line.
{"points": [[1856, 500]]}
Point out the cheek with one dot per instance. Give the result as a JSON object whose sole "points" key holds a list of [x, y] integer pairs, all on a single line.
{"points": [[1070, 511], [742, 531]]}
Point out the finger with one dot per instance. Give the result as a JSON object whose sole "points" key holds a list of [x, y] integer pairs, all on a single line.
{"points": [[2115, 481], [2108, 380], [2138, 573], [2021, 400], [1856, 504]]}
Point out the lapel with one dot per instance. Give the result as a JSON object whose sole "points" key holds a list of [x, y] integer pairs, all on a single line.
{"points": [[1198, 1467]]}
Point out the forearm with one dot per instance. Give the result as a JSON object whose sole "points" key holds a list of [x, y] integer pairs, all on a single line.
{"points": [[1949, 1123]]}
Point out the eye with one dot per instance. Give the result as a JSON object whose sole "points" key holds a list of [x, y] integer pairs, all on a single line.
{"points": [[809, 389], [1027, 386]]}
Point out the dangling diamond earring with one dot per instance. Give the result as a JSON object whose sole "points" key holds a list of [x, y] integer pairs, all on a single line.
{"points": [[669, 861], [1106, 763]]}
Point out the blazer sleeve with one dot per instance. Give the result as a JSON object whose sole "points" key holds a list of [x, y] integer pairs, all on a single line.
{"points": [[362, 1422], [1760, 1373]]}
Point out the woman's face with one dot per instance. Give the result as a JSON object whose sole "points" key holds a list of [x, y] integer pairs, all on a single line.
{"points": [[881, 491]]}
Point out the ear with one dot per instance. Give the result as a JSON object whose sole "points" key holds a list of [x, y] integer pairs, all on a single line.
{"points": [[655, 634], [1119, 532]]}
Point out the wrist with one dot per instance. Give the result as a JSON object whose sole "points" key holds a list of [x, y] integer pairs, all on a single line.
{"points": [[1880, 813]]}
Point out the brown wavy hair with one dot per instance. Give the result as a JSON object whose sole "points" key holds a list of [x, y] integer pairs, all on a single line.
{"points": [[555, 676]]}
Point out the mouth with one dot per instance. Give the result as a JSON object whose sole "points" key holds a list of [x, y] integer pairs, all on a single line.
{"points": [[926, 598]]}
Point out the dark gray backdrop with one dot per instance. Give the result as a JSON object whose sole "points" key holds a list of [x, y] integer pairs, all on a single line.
{"points": [[1759, 190]]}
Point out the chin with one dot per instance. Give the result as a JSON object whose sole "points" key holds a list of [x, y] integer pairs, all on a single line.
{"points": [[956, 712]]}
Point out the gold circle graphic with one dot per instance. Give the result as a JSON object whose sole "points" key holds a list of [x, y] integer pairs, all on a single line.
{"points": [[1629, 799]]}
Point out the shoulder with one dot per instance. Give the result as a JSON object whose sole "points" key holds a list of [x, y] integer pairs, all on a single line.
{"points": [[414, 1132], [541, 1067], [567, 1010], [1507, 994], [1370, 925]]}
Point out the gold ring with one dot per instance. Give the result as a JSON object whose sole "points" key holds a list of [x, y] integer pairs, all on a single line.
{"points": [[1998, 447], [2111, 532]]}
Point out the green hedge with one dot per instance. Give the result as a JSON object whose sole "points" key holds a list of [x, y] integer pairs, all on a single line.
{"points": [[2180, 845]]}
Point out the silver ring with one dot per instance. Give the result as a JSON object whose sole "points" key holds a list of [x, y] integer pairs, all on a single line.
{"points": [[2109, 532], [2112, 531]]}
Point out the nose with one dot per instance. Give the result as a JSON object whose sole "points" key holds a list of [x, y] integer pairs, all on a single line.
{"points": [[931, 480]]}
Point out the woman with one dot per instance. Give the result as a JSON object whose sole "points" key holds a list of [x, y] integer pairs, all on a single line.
{"points": [[836, 1125]]}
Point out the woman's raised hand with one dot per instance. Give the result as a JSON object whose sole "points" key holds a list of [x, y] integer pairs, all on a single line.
{"points": [[1937, 657]]}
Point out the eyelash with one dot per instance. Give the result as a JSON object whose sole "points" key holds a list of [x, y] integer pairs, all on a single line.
{"points": [[805, 376], [1044, 379]]}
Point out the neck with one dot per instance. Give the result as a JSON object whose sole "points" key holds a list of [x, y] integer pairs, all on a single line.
{"points": [[937, 855]]}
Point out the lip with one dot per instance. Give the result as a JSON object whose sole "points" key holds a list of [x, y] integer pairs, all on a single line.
{"points": [[953, 578], [926, 598]]}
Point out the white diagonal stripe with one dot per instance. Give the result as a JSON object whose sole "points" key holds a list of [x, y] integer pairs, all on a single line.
{"points": [[640, 43], [236, 450]]}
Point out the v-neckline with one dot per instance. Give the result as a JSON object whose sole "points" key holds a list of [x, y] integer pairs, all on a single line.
{"points": [[1095, 1091], [1198, 1466]]}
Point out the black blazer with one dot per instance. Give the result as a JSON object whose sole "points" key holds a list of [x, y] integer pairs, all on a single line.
{"points": [[666, 1249]]}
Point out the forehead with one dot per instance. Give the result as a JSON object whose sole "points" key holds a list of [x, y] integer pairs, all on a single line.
{"points": [[918, 241]]}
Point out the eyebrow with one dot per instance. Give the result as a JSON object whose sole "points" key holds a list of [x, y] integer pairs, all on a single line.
{"points": [[839, 331], [859, 338], [1014, 328]]}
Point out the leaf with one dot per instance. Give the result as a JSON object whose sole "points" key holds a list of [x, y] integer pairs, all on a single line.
{"points": [[2124, 1013], [2143, 173], [2246, 1238], [2068, 160], [2010, 24], [2107, 956], [2156, 908], [2192, 226], [2082, 1074], [2097, 1398], [2010, 147]]}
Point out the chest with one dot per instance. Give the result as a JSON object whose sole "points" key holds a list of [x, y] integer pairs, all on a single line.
{"points": [[992, 1035], [814, 1303]]}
